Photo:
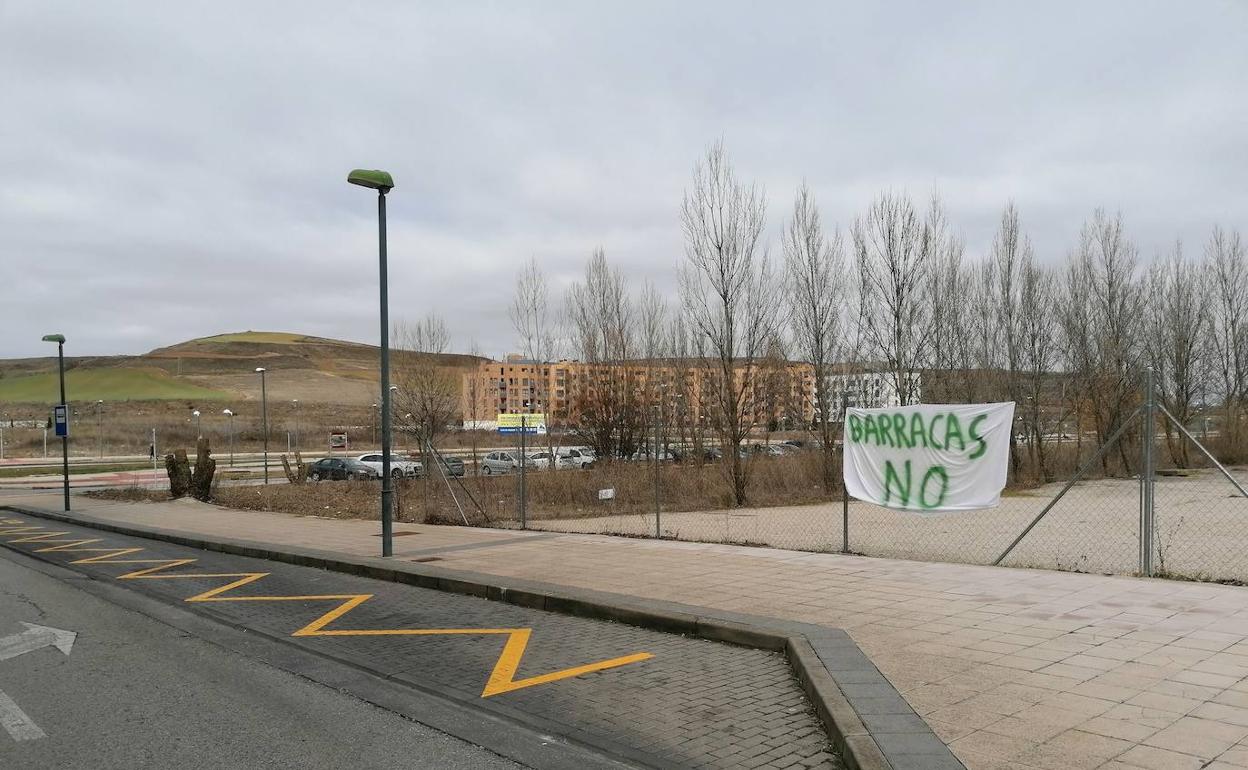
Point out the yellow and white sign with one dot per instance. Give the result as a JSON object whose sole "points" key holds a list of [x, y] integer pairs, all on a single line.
{"points": [[529, 423]]}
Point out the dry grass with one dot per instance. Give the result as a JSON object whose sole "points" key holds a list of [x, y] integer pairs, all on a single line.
{"points": [[574, 494]]}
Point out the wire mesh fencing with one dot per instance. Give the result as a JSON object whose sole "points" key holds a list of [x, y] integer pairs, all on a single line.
{"points": [[1197, 521]]}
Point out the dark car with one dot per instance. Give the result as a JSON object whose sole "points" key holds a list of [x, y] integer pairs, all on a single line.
{"points": [[339, 469]]}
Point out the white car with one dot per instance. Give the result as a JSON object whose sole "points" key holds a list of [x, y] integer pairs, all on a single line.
{"points": [[575, 457], [498, 462], [538, 461], [399, 467]]}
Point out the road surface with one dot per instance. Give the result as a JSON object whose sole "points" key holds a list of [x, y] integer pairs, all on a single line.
{"points": [[134, 692], [542, 689]]}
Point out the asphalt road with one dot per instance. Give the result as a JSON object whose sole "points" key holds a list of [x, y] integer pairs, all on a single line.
{"points": [[134, 692], [546, 690]]}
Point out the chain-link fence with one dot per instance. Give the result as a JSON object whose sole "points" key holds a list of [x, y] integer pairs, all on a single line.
{"points": [[1194, 520]]}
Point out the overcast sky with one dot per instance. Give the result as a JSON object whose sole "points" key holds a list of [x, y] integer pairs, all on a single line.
{"points": [[173, 170]]}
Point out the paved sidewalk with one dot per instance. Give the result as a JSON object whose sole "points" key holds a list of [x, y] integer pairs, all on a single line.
{"points": [[1013, 668]]}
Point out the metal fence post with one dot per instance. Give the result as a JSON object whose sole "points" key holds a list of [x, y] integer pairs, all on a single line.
{"points": [[658, 531], [844, 489], [523, 463], [1147, 435]]}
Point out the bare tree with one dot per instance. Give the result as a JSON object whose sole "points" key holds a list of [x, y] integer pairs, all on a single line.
{"points": [[474, 394], [1037, 331], [896, 251], [1077, 328], [954, 329], [1109, 261], [817, 292], [1177, 339], [728, 293], [604, 333], [652, 316], [1227, 265], [1011, 252], [428, 392], [534, 321]]}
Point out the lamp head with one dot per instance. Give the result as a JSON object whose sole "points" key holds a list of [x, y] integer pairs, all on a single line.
{"points": [[227, 413], [372, 179], [195, 413], [259, 370], [57, 338]]}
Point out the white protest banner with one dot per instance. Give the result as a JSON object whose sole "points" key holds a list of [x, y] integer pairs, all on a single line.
{"points": [[929, 458]]}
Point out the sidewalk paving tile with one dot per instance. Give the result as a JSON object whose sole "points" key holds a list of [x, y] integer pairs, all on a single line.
{"points": [[1156, 668]]}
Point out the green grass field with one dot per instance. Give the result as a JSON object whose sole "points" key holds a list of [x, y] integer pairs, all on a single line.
{"points": [[274, 338], [107, 384]]}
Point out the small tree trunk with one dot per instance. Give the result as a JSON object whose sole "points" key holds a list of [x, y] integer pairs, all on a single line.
{"points": [[205, 469], [179, 470]]}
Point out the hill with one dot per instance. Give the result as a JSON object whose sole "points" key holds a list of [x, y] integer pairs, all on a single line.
{"points": [[310, 369], [109, 384]]}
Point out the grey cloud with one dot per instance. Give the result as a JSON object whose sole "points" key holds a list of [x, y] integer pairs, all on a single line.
{"points": [[174, 170]]}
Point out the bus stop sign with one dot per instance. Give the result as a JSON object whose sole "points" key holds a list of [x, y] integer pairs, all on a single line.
{"points": [[60, 418]]}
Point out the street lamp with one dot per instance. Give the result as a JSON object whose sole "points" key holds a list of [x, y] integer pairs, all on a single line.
{"points": [[59, 339], [230, 414], [264, 417], [295, 401], [372, 425], [382, 182], [198, 432], [99, 428]]}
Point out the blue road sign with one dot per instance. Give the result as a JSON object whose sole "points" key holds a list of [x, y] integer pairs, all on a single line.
{"points": [[60, 418]]}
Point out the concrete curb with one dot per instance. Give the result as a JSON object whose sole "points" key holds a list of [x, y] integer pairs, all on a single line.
{"points": [[866, 719]]}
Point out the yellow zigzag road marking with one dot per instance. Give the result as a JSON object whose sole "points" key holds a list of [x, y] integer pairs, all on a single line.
{"points": [[502, 678]]}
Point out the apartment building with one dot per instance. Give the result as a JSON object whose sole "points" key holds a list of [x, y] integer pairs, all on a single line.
{"points": [[774, 393], [871, 389]]}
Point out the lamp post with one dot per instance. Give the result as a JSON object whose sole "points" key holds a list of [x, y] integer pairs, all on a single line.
{"points": [[295, 401], [59, 339], [264, 420], [230, 414], [198, 432], [393, 389], [99, 426], [382, 182]]}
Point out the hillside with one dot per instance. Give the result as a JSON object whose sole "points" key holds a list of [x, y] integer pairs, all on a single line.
{"points": [[311, 369]]}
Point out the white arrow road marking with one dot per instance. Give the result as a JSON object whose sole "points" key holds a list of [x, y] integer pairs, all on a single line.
{"points": [[35, 637], [16, 722]]}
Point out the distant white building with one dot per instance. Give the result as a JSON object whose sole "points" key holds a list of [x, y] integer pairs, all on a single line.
{"points": [[871, 390]]}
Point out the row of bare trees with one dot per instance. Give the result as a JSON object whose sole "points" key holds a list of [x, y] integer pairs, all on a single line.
{"points": [[1069, 344], [1066, 341]]}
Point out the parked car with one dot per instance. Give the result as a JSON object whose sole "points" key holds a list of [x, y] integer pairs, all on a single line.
{"points": [[399, 466], [647, 455], [538, 461], [453, 466], [341, 468], [767, 450], [575, 457], [498, 462]]}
